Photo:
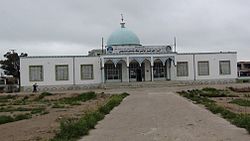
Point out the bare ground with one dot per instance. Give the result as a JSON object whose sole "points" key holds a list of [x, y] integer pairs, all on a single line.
{"points": [[147, 114], [44, 127]]}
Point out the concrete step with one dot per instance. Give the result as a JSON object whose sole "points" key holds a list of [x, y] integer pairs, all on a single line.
{"points": [[112, 85]]}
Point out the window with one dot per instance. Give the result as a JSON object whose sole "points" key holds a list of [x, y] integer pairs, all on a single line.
{"points": [[225, 67], [203, 68], [87, 72], [62, 72], [182, 68], [36, 73]]}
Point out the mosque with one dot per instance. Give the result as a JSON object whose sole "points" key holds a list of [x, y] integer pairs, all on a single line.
{"points": [[126, 60]]}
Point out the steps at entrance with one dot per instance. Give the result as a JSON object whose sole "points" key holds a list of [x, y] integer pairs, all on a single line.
{"points": [[112, 85]]}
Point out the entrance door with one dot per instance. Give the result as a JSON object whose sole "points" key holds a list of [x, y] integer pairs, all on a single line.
{"points": [[139, 74], [136, 72]]}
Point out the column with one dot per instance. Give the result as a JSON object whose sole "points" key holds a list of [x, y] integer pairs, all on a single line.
{"points": [[127, 62], [152, 68], [128, 74], [102, 70]]}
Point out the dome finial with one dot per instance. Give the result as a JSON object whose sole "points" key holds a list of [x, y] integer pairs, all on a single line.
{"points": [[122, 22]]}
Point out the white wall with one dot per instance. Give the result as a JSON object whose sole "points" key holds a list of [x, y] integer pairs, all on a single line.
{"points": [[124, 72], [184, 58], [213, 59], [49, 64], [147, 71], [96, 69]]}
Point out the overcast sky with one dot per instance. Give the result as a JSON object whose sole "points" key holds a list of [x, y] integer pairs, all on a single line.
{"points": [[73, 27]]}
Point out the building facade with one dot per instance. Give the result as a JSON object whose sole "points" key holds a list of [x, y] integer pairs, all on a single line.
{"points": [[125, 60]]}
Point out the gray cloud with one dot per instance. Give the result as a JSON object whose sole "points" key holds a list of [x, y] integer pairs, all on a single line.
{"points": [[62, 27]]}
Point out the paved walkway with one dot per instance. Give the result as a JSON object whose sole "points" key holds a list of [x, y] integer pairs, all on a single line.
{"points": [[158, 114]]}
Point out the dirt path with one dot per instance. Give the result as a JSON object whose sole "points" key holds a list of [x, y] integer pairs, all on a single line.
{"points": [[158, 114]]}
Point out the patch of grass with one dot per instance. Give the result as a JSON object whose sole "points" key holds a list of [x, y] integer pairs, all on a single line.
{"points": [[242, 121], [212, 92], [114, 101], [239, 120], [73, 129], [194, 95], [6, 119], [241, 102], [3, 104], [12, 109], [242, 80], [6, 98], [37, 110], [58, 105], [25, 97], [22, 116], [77, 99], [44, 113], [19, 102], [42, 95], [247, 95]]}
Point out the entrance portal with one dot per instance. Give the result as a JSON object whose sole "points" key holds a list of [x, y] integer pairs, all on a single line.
{"points": [[139, 74], [136, 72]]}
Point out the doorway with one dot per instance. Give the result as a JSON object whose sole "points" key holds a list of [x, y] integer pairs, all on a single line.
{"points": [[136, 72], [139, 74]]}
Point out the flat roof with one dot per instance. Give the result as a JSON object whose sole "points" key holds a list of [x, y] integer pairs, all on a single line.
{"points": [[72, 56], [221, 52]]}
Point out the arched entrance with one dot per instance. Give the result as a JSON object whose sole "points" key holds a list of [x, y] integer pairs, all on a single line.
{"points": [[135, 71], [162, 70], [112, 72]]}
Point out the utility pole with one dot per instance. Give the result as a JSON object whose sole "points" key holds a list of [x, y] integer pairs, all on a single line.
{"points": [[102, 46], [175, 44]]}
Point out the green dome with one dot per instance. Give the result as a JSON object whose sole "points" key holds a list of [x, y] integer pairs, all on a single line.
{"points": [[122, 37]]}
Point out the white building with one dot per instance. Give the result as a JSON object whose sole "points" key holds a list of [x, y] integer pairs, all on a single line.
{"points": [[125, 60]]}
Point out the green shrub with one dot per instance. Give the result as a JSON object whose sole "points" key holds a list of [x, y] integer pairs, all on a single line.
{"points": [[5, 119], [22, 116], [242, 121]]}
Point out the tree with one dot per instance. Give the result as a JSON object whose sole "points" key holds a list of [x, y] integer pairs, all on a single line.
{"points": [[11, 65]]}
